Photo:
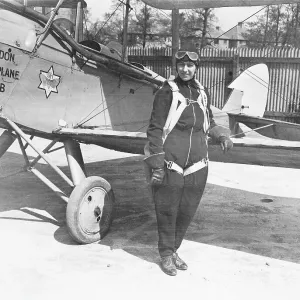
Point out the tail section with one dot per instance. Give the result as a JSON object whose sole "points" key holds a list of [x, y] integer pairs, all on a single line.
{"points": [[249, 95], [250, 92]]}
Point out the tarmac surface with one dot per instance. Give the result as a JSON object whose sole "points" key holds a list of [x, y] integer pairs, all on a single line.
{"points": [[242, 244]]}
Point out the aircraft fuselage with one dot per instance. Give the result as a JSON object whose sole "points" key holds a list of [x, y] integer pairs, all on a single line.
{"points": [[56, 85]]}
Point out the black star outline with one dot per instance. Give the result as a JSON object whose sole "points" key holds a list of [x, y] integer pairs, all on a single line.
{"points": [[46, 74]]}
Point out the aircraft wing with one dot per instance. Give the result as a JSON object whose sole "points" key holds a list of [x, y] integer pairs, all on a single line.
{"points": [[247, 150], [255, 150], [192, 4], [134, 142], [51, 3], [124, 141]]}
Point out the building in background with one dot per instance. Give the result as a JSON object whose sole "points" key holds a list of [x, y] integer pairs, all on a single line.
{"points": [[235, 36], [217, 38]]}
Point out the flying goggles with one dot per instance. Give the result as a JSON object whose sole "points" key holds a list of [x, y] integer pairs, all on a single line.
{"points": [[193, 56]]}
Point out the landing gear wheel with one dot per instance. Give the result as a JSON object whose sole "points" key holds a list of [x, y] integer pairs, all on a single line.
{"points": [[90, 210]]}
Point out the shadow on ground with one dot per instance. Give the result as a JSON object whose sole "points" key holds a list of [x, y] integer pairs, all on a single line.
{"points": [[228, 218]]}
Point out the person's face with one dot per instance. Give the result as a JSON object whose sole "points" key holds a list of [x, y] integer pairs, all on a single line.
{"points": [[186, 70]]}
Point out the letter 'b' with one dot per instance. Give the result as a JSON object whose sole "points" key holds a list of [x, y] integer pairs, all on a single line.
{"points": [[2, 87]]}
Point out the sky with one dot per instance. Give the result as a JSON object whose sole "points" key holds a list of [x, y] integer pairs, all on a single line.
{"points": [[228, 16]]}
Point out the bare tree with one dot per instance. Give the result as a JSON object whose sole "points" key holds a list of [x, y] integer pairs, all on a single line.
{"points": [[278, 26], [204, 29], [145, 24], [197, 20]]}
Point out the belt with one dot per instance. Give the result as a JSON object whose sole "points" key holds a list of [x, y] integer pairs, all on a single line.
{"points": [[171, 165]]}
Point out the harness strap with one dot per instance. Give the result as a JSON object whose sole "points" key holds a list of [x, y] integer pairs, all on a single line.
{"points": [[176, 111], [171, 165], [196, 167]]}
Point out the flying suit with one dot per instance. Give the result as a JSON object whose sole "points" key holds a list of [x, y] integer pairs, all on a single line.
{"points": [[177, 141]]}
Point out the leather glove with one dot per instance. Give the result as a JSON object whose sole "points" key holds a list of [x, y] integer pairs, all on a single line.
{"points": [[157, 176], [226, 143]]}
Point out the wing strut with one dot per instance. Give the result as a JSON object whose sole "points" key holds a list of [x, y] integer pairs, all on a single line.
{"points": [[48, 25]]}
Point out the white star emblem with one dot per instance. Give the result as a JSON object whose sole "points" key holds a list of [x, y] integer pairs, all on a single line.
{"points": [[49, 82]]}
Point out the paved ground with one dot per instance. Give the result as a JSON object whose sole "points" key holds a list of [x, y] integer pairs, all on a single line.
{"points": [[243, 242]]}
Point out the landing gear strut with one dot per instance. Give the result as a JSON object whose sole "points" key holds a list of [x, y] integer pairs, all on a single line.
{"points": [[91, 203]]}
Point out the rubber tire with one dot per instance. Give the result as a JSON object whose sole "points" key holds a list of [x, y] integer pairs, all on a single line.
{"points": [[73, 210]]}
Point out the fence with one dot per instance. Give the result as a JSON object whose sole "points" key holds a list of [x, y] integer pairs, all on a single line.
{"points": [[220, 66]]}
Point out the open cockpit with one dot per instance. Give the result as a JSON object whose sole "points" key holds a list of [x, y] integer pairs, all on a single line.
{"points": [[66, 32]]}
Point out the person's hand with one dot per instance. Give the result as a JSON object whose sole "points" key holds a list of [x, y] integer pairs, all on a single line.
{"points": [[157, 176], [226, 143]]}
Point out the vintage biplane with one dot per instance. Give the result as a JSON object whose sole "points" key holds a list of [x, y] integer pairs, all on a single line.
{"points": [[55, 86]]}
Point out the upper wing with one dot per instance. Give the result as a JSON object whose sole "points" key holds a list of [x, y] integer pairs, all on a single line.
{"points": [[192, 4]]}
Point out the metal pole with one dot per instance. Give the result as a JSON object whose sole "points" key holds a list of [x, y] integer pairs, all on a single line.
{"points": [[255, 129], [48, 25], [125, 32], [23, 151], [44, 151], [175, 37], [78, 29], [24, 137], [51, 185]]}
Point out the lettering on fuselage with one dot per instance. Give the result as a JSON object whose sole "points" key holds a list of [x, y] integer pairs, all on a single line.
{"points": [[6, 72], [7, 58], [2, 87], [7, 55]]}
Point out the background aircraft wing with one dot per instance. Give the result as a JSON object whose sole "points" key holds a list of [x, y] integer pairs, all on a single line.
{"points": [[191, 4]]}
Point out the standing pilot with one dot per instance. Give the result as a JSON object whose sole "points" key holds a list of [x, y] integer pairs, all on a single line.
{"points": [[177, 155]]}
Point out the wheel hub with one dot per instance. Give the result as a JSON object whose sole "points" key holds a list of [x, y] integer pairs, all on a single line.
{"points": [[91, 210]]}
